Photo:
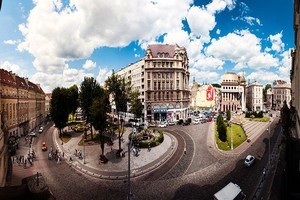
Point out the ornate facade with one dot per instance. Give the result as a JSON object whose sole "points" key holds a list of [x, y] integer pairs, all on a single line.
{"points": [[167, 93], [254, 97], [233, 92]]}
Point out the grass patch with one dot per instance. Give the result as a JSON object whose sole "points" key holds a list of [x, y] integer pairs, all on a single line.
{"points": [[238, 137], [264, 119]]}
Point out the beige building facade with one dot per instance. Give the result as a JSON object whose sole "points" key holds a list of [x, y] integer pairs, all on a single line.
{"points": [[233, 92], [254, 96], [162, 78], [167, 93], [281, 93], [204, 97]]}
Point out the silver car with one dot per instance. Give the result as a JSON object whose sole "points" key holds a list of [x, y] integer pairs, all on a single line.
{"points": [[249, 161]]}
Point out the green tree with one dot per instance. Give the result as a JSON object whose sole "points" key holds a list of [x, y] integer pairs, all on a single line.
{"points": [[136, 104], [89, 90], [98, 116], [119, 88], [222, 132], [228, 115], [73, 104], [265, 92], [59, 108]]}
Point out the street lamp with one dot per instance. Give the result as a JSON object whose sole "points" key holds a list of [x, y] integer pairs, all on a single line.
{"points": [[129, 146], [231, 139], [84, 145], [269, 129]]}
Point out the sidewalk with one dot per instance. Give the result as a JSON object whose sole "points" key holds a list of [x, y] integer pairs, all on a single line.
{"points": [[115, 168], [20, 172]]}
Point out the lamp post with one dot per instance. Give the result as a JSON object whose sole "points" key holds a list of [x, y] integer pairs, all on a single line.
{"points": [[84, 145], [269, 142], [231, 139], [129, 146]]}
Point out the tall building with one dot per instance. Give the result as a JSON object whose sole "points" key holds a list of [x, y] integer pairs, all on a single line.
{"points": [[269, 98], [281, 93], [162, 78], [167, 82], [3, 151], [233, 92], [22, 103], [254, 96]]}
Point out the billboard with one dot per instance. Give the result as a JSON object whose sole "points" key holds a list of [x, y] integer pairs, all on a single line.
{"points": [[210, 93]]}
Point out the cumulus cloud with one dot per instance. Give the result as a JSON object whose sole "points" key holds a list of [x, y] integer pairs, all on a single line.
{"points": [[263, 76], [103, 75], [70, 31], [208, 63], [206, 76], [202, 20], [14, 68], [11, 42], [277, 44], [285, 66], [88, 65], [241, 47]]}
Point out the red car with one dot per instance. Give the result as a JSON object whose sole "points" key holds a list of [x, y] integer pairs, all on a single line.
{"points": [[209, 119]]}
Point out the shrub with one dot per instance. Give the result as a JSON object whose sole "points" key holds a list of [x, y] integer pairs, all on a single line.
{"points": [[222, 132]]}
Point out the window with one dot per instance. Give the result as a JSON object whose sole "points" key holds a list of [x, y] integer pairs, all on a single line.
{"points": [[154, 85], [148, 75], [148, 85]]}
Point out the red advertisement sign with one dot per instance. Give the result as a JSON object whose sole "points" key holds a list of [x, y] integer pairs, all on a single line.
{"points": [[210, 93]]}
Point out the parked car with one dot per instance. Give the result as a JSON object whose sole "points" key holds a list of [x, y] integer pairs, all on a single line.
{"points": [[171, 123], [187, 122], [44, 147], [32, 134], [196, 121], [180, 122], [249, 161], [162, 125], [136, 122], [41, 129], [209, 119]]}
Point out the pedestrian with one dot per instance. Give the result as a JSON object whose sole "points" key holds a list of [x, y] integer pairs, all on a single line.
{"points": [[149, 147], [264, 173], [63, 154], [58, 160], [51, 149], [75, 152]]}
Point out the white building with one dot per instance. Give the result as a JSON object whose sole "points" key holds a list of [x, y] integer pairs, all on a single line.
{"points": [[254, 96], [281, 93], [233, 92], [162, 78]]}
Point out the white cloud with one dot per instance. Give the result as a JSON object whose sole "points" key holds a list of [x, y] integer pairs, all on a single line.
{"points": [[218, 31], [71, 31], [11, 42], [206, 76], [14, 68], [285, 66], [263, 76], [242, 48], [137, 55], [277, 44], [208, 63], [103, 75], [88, 65], [251, 20]]}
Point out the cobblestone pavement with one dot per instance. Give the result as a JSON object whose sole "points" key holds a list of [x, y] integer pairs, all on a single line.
{"points": [[202, 171]]}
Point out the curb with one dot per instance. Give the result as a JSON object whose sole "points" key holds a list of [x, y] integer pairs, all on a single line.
{"points": [[134, 173]]}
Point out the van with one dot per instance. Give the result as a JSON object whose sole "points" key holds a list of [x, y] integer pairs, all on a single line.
{"points": [[230, 192], [136, 122]]}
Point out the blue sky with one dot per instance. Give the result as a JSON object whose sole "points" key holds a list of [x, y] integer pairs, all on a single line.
{"points": [[58, 42]]}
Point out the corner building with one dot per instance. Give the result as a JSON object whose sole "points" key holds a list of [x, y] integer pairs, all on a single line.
{"points": [[167, 93], [233, 92]]}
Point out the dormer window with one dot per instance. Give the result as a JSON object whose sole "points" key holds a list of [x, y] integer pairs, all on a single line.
{"points": [[158, 55]]}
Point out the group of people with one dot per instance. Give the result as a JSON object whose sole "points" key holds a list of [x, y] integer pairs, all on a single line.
{"points": [[22, 160], [56, 155]]}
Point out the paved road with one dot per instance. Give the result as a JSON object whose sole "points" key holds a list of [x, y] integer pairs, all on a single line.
{"points": [[198, 174]]}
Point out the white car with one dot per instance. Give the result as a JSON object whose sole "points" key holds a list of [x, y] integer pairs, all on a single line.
{"points": [[32, 134], [162, 125], [171, 123], [41, 129], [249, 161], [196, 121]]}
